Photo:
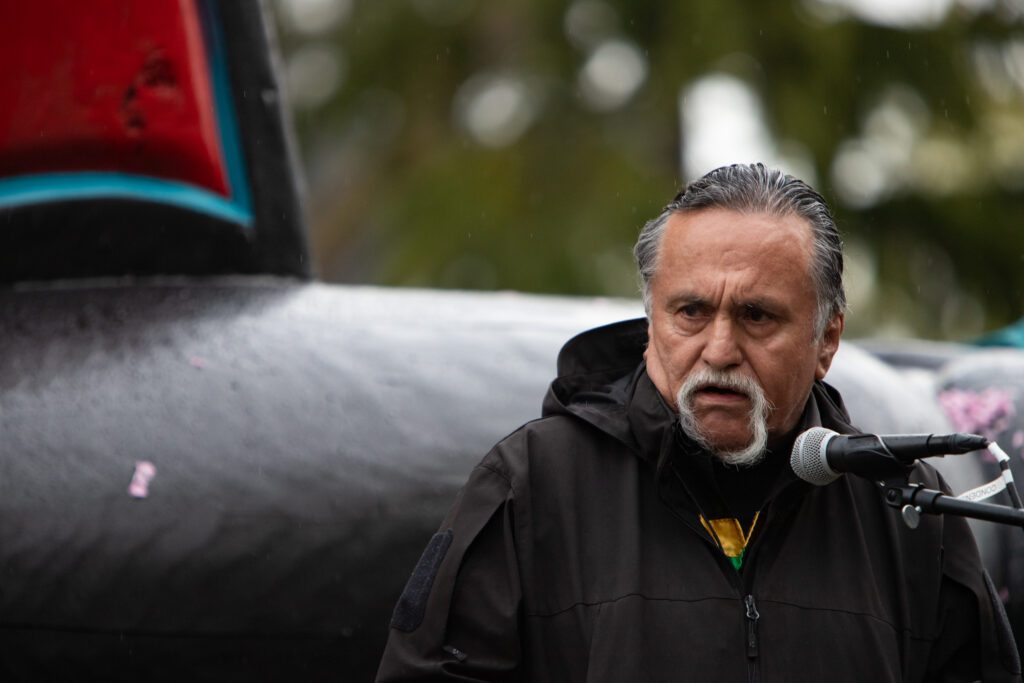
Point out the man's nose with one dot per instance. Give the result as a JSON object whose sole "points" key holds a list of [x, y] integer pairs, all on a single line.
{"points": [[721, 350]]}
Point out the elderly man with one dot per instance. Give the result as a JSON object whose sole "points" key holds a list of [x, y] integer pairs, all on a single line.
{"points": [[649, 528]]}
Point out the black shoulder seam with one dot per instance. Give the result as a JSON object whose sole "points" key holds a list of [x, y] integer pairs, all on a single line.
{"points": [[503, 475]]}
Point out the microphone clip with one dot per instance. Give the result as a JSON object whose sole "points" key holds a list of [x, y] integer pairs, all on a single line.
{"points": [[898, 490]]}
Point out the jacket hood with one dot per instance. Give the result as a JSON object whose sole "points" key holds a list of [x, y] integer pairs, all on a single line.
{"points": [[596, 370]]}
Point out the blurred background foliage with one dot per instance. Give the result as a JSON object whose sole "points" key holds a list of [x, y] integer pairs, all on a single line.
{"points": [[522, 144]]}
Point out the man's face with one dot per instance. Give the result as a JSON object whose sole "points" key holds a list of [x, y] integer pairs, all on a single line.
{"points": [[733, 293]]}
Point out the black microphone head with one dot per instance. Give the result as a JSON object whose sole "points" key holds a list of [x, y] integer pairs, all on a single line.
{"points": [[808, 457], [965, 443]]}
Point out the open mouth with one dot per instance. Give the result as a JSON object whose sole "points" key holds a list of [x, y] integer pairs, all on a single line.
{"points": [[719, 391]]}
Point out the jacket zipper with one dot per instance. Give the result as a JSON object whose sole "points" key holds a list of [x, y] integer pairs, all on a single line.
{"points": [[750, 613], [743, 587], [752, 617]]}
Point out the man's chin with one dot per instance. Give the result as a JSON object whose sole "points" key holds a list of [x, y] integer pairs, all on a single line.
{"points": [[734, 448], [727, 441], [725, 449], [727, 446]]}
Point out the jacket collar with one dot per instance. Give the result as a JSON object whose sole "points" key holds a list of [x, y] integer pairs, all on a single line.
{"points": [[651, 420]]}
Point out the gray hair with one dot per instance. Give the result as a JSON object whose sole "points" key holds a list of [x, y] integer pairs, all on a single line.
{"points": [[756, 189]]}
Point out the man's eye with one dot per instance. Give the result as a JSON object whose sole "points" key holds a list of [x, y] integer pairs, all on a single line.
{"points": [[691, 310], [757, 315]]}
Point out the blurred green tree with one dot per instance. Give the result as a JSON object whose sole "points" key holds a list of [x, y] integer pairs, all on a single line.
{"points": [[521, 145]]}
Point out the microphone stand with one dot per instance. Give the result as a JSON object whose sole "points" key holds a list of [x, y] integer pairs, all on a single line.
{"points": [[913, 499]]}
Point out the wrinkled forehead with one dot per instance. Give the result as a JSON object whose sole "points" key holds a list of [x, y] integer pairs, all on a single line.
{"points": [[724, 234]]}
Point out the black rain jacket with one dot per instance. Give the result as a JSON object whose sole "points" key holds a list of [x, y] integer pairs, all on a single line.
{"points": [[574, 553]]}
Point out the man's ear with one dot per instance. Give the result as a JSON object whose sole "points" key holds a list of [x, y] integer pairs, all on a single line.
{"points": [[829, 344]]}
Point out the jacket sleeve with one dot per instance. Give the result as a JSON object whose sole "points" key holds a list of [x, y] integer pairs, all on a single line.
{"points": [[975, 640], [458, 617]]}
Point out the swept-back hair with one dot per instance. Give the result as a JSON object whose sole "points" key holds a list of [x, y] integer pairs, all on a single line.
{"points": [[755, 188]]}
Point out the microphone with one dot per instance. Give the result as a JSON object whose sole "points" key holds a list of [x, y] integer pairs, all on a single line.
{"points": [[820, 455]]}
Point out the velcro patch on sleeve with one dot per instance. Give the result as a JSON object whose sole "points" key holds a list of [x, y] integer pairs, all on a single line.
{"points": [[412, 605]]}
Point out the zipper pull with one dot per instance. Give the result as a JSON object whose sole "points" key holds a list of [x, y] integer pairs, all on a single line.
{"points": [[752, 617]]}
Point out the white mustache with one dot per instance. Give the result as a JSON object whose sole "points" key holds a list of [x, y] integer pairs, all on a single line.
{"points": [[760, 408]]}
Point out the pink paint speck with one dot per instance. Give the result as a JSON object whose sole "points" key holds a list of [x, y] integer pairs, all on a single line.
{"points": [[144, 473]]}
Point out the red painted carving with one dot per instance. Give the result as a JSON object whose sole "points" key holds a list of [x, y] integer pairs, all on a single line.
{"points": [[108, 85]]}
